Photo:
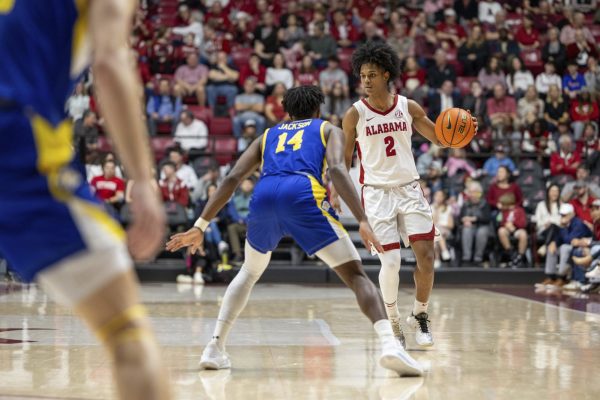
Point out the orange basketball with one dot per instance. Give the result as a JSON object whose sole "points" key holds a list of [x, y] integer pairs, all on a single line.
{"points": [[454, 128]]}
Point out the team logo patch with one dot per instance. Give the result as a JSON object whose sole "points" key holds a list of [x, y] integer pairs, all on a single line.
{"points": [[398, 114], [69, 179], [326, 206]]}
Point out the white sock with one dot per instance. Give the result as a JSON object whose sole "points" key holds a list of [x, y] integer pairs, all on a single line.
{"points": [[383, 327], [389, 280], [419, 307]]}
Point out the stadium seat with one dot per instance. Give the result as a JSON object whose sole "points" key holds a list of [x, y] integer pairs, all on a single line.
{"points": [[220, 126], [533, 61], [225, 149], [241, 55], [160, 145], [202, 113]]}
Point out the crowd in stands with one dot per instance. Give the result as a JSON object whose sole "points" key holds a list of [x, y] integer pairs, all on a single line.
{"points": [[215, 72]]}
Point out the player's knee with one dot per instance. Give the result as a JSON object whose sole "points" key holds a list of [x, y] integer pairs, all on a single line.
{"points": [[390, 260]]}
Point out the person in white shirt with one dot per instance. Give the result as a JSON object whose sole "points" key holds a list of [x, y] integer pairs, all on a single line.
{"points": [[279, 73], [184, 172], [547, 217], [194, 27], [519, 78], [78, 103], [547, 78], [488, 10], [191, 133]]}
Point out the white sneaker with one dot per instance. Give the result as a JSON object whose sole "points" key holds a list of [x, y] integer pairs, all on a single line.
{"points": [[573, 286], [214, 358], [398, 333], [420, 323], [184, 279], [198, 278], [395, 358], [595, 273], [437, 264]]}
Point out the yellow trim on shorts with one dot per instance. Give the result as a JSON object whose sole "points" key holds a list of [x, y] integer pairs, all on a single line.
{"points": [[98, 214], [111, 328], [262, 150], [323, 133], [320, 193], [6, 6]]}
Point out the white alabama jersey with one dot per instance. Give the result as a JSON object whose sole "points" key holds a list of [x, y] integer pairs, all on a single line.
{"points": [[383, 140]]}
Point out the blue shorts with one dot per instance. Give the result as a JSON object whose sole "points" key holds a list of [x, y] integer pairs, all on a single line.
{"points": [[48, 213], [292, 205]]}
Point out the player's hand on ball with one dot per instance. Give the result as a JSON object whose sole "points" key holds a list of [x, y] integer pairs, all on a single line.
{"points": [[368, 237], [475, 122], [193, 238], [146, 234]]}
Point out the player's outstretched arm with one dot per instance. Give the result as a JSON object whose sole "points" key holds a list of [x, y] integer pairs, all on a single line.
{"points": [[422, 123], [119, 93], [344, 186], [246, 165]]}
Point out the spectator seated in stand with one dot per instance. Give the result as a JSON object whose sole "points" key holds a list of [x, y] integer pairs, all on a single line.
{"points": [[566, 160], [85, 131], [306, 74], [588, 255], [556, 109], [583, 110], [191, 79], [554, 51], [274, 105], [573, 81], [592, 77], [191, 133], [279, 73], [444, 98], [491, 75], [332, 74], [512, 223], [547, 78], [320, 46], [183, 171], [249, 105], [581, 50], [502, 186], [559, 251], [440, 72], [222, 81], [527, 36], [547, 218], [336, 102], [109, 188], [499, 159], [266, 42], [518, 79], [171, 187], [239, 207], [413, 81], [582, 176], [502, 110], [249, 134], [475, 217], [163, 107], [78, 102], [474, 52], [255, 70], [530, 108], [582, 203], [450, 32]]}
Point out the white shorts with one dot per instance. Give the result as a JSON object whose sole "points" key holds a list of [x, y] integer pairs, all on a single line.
{"points": [[399, 212]]}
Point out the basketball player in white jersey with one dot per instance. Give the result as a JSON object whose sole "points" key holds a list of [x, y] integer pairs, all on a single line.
{"points": [[381, 126]]}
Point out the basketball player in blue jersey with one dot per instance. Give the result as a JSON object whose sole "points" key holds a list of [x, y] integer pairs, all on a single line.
{"points": [[52, 228], [290, 199]]}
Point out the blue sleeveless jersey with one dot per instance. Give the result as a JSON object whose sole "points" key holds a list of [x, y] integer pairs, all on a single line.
{"points": [[45, 202], [295, 147], [43, 48], [290, 199]]}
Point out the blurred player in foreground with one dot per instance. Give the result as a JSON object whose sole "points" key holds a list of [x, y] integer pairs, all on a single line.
{"points": [[52, 228]]}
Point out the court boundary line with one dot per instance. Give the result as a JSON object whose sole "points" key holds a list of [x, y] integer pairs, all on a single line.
{"points": [[539, 302]]}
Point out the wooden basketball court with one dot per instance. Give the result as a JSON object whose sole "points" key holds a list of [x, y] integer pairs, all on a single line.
{"points": [[311, 342]]}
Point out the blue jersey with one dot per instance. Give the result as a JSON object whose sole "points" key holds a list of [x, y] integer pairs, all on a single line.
{"points": [[295, 147], [45, 202], [43, 49], [290, 199]]}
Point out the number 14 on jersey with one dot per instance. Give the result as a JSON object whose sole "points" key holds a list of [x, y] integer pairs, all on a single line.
{"points": [[295, 141]]}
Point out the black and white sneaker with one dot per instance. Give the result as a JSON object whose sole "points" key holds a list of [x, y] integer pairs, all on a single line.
{"points": [[420, 323]]}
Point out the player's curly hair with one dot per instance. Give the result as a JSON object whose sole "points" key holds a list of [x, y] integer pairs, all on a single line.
{"points": [[303, 102], [377, 53]]}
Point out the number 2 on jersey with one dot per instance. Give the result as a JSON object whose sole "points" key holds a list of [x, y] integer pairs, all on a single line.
{"points": [[295, 141], [390, 151]]}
